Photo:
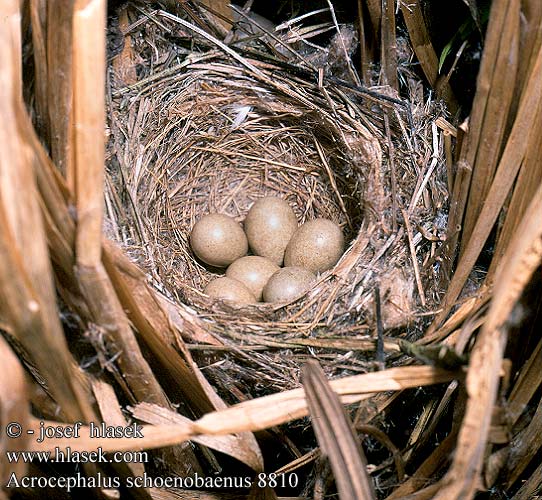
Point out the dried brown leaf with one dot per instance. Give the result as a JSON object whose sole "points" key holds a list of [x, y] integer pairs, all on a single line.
{"points": [[336, 437]]}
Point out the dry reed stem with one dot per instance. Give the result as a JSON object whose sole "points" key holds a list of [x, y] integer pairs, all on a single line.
{"points": [[94, 282], [14, 407], [531, 486], [498, 79], [523, 448], [61, 235], [438, 458], [27, 286], [528, 180], [38, 14], [510, 162], [152, 324], [388, 45], [221, 7], [111, 412], [531, 39], [253, 415], [374, 8], [88, 56], [421, 42], [522, 258], [336, 437], [527, 383], [241, 446], [59, 84], [365, 53]]}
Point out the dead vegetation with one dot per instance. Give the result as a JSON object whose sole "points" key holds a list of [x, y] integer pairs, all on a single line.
{"points": [[433, 355]]}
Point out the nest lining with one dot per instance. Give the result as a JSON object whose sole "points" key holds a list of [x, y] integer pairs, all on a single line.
{"points": [[214, 135]]}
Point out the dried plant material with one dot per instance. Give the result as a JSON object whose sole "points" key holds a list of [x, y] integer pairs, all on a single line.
{"points": [[421, 42], [495, 92], [124, 64], [153, 326], [397, 289], [256, 414], [336, 437], [531, 39], [59, 87], [28, 298], [221, 135], [523, 448], [531, 486], [434, 462], [189, 326], [38, 15], [61, 233], [529, 178], [242, 446], [464, 311], [340, 50], [111, 413], [14, 408], [384, 440], [206, 124], [278, 408], [427, 470], [520, 261], [94, 281], [221, 7], [414, 258], [510, 162], [527, 383], [388, 44], [435, 354], [89, 122]]}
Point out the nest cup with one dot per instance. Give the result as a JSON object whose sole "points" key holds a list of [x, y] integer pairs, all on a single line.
{"points": [[216, 136]]}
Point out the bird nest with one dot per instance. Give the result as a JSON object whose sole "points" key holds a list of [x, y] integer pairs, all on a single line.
{"points": [[218, 131]]}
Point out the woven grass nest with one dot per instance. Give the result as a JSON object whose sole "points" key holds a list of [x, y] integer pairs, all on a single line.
{"points": [[218, 131]]}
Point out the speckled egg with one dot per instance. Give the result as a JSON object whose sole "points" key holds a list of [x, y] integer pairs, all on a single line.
{"points": [[317, 245], [269, 225], [287, 284], [254, 272], [218, 240], [229, 289]]}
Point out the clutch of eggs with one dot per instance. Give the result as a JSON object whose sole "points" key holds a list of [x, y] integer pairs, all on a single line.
{"points": [[272, 233]]}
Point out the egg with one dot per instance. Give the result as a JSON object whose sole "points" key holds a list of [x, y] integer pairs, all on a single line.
{"points": [[287, 284], [317, 245], [254, 272], [218, 240], [269, 225], [225, 288]]}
